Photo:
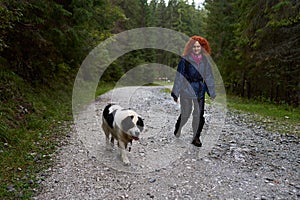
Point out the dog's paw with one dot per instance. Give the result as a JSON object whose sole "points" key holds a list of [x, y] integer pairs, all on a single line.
{"points": [[126, 163], [109, 148]]}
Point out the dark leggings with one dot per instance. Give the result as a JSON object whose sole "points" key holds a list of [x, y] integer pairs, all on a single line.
{"points": [[198, 114]]}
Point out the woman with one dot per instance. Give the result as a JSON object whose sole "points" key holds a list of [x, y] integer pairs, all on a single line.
{"points": [[193, 78]]}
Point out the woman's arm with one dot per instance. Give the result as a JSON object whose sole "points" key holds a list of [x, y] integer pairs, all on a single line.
{"points": [[178, 80], [209, 80]]}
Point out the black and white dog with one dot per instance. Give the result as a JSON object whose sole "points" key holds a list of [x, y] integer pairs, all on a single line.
{"points": [[124, 125]]}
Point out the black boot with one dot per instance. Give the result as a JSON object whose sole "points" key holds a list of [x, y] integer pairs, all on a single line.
{"points": [[196, 140]]}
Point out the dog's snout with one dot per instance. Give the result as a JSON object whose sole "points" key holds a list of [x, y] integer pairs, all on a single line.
{"points": [[137, 133]]}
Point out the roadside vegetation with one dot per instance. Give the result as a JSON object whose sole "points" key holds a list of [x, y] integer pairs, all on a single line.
{"points": [[275, 117], [32, 122]]}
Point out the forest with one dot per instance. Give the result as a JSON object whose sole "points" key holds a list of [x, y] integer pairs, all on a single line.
{"points": [[255, 44]]}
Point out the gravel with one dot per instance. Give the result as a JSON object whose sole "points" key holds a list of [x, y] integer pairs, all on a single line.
{"points": [[238, 160]]}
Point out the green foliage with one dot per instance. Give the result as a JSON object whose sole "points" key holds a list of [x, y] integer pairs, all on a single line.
{"points": [[47, 35], [176, 15], [8, 18], [31, 120], [289, 14], [260, 55]]}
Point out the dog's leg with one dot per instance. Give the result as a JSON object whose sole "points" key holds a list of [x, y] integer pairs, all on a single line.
{"points": [[107, 133], [108, 144], [122, 147], [112, 142]]}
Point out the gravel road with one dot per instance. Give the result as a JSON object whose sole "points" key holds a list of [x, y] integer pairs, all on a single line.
{"points": [[238, 160]]}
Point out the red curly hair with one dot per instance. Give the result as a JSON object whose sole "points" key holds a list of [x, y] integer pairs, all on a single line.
{"points": [[189, 45]]}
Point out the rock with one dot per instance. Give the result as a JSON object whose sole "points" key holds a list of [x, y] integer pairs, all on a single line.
{"points": [[297, 187], [151, 180]]}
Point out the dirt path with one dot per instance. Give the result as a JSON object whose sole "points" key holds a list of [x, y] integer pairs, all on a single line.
{"points": [[236, 162]]}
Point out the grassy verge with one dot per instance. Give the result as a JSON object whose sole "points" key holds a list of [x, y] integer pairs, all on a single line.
{"points": [[104, 87], [32, 121], [274, 117]]}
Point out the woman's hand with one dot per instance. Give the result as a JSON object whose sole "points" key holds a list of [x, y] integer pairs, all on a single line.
{"points": [[174, 97]]}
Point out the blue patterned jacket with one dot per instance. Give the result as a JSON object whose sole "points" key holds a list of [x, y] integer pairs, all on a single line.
{"points": [[193, 80]]}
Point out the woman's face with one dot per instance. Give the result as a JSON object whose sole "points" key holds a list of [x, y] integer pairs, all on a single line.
{"points": [[196, 48]]}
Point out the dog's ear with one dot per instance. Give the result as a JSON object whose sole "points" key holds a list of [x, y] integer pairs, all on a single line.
{"points": [[140, 123]]}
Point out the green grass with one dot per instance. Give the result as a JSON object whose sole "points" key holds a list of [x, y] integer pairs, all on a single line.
{"points": [[32, 120], [166, 90], [280, 112], [275, 117], [104, 87]]}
